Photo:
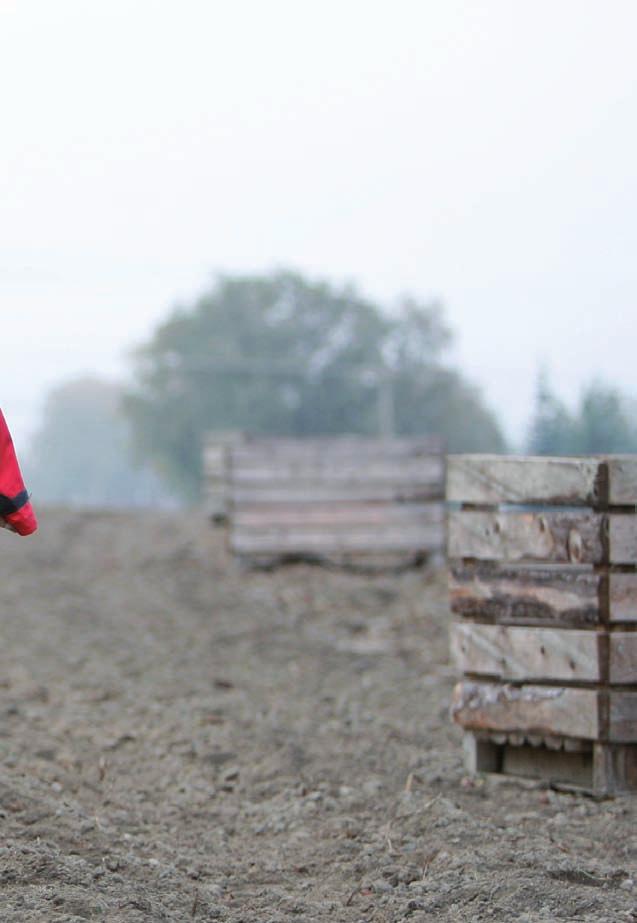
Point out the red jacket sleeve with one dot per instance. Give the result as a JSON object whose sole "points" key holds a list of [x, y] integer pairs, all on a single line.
{"points": [[15, 507]]}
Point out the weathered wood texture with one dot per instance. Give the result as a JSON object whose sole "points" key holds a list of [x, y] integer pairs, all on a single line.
{"points": [[622, 720], [268, 447], [511, 653], [623, 658], [622, 480], [605, 768], [553, 536], [336, 496], [549, 654], [216, 474], [293, 491], [622, 538], [339, 472], [623, 597], [560, 710], [614, 768], [494, 479], [334, 516], [573, 769], [306, 542], [543, 582], [529, 595]]}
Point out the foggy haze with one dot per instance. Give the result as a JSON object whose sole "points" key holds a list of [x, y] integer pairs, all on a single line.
{"points": [[482, 153]]}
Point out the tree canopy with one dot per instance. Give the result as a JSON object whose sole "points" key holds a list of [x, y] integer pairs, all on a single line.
{"points": [[281, 354], [603, 422]]}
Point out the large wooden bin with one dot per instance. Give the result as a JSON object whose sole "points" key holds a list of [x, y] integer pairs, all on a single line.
{"points": [[342, 499], [543, 588]]}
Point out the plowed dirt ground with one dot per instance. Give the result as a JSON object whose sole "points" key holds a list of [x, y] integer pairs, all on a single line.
{"points": [[184, 741]]}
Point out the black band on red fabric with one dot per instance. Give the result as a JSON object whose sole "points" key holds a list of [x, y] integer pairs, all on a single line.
{"points": [[13, 504]]}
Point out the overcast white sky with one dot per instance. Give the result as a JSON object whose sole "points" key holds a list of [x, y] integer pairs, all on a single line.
{"points": [[482, 152]]}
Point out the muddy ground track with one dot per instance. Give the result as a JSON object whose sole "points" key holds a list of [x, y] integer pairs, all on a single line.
{"points": [[181, 740]]}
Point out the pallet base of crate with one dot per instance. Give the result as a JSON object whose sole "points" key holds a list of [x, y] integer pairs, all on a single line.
{"points": [[599, 768], [388, 563]]}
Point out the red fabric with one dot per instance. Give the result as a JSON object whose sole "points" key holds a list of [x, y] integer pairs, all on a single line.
{"points": [[23, 521]]}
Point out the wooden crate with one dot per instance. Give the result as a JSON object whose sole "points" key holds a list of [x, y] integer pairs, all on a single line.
{"points": [[543, 587], [215, 473], [344, 499]]}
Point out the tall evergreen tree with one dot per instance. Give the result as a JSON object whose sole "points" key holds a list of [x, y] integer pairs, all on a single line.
{"points": [[553, 429]]}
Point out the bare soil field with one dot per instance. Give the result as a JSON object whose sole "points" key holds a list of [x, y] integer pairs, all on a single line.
{"points": [[184, 741]]}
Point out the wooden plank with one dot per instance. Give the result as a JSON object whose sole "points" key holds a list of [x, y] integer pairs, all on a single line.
{"points": [[481, 755], [553, 537], [338, 515], [623, 657], [564, 711], [513, 653], [509, 594], [225, 437], [216, 504], [557, 766], [622, 538], [614, 768], [622, 480], [495, 479], [250, 495], [301, 541], [214, 454], [265, 448], [623, 717], [623, 597], [331, 470], [331, 496]]}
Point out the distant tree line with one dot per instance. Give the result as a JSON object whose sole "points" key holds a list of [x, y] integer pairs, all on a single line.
{"points": [[604, 421], [281, 354]]}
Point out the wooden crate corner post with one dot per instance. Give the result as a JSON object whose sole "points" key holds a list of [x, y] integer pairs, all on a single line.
{"points": [[216, 473]]}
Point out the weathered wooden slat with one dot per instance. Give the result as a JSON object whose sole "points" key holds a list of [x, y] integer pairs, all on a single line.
{"points": [[332, 471], [614, 768], [622, 480], [225, 437], [266, 449], [623, 597], [213, 453], [302, 541], [335, 496], [525, 595], [622, 538], [564, 711], [512, 653], [623, 717], [338, 515], [307, 495], [568, 768], [494, 479], [552, 537], [623, 657]]}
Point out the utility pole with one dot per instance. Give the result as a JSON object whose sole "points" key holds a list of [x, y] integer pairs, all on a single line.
{"points": [[386, 423]]}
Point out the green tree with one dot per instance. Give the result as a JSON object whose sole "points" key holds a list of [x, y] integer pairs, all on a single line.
{"points": [[605, 422], [602, 422], [432, 398], [553, 429], [81, 454], [280, 354]]}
